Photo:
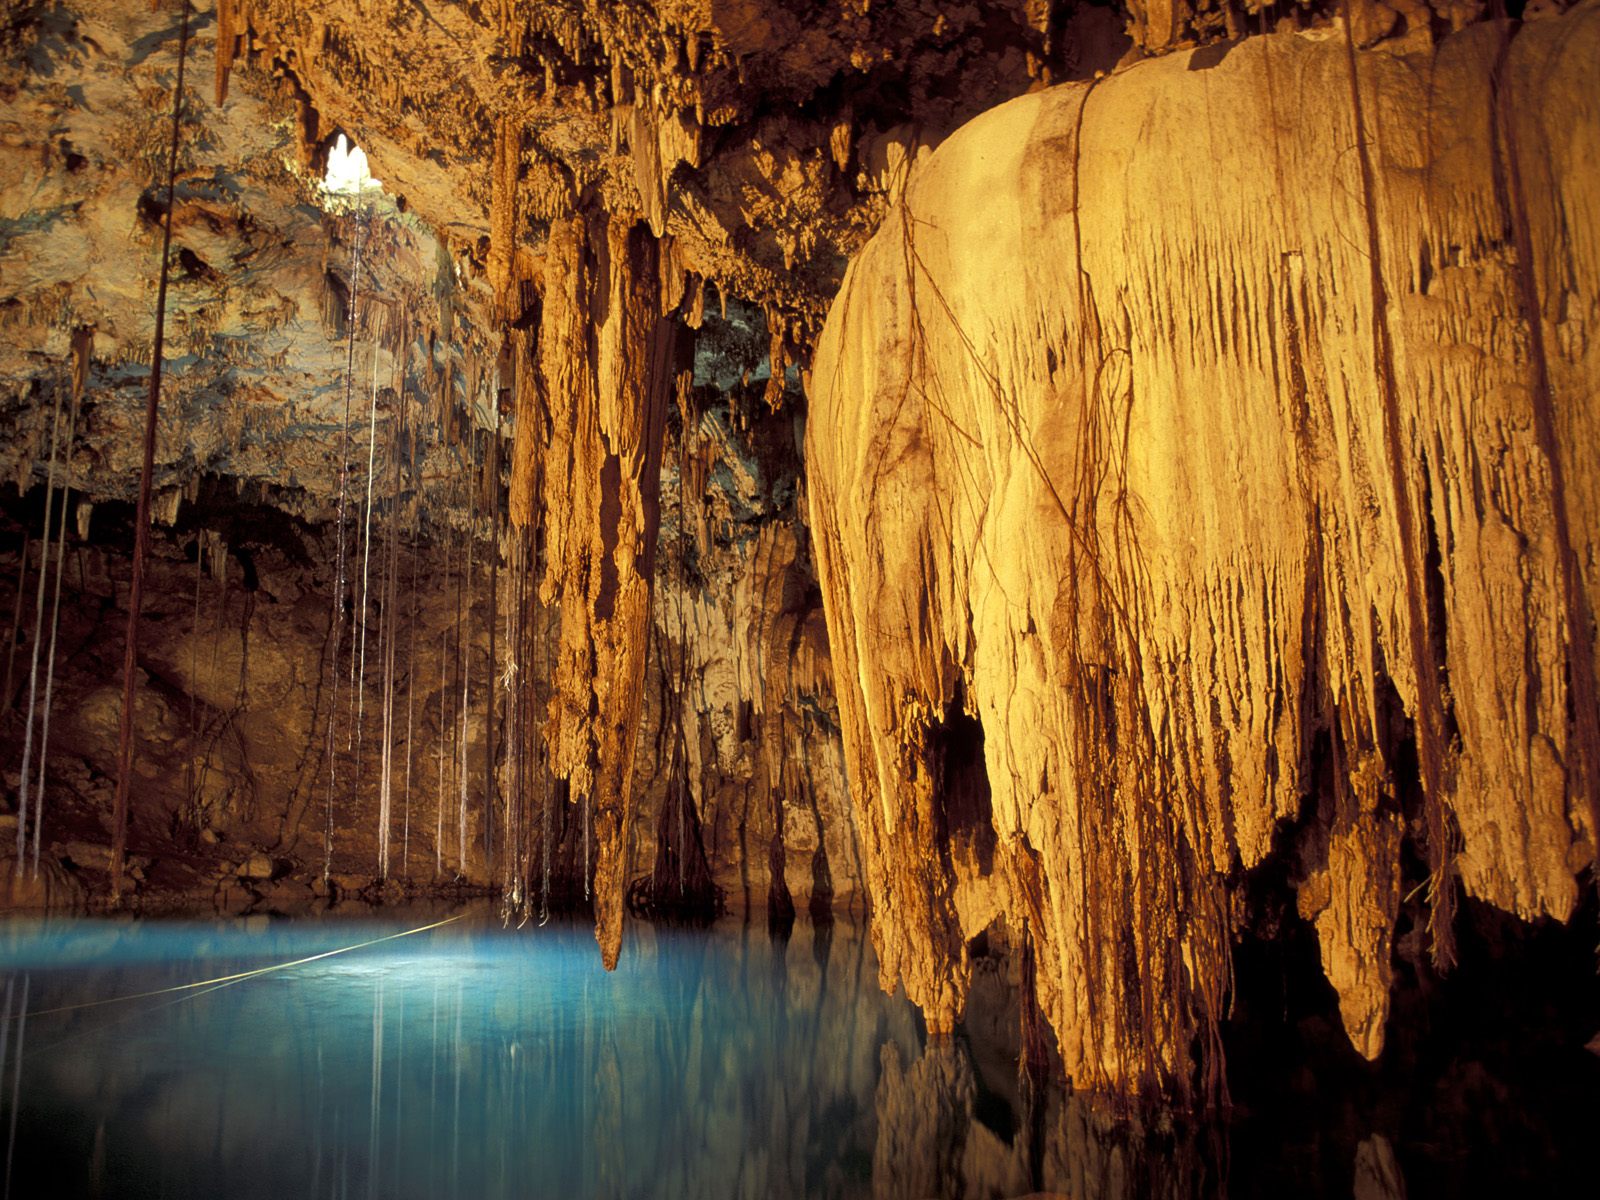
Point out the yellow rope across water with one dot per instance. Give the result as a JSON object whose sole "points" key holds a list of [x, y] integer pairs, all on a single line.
{"points": [[240, 977]]}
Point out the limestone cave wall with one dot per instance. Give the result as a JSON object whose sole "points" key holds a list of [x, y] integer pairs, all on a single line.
{"points": [[340, 418]]}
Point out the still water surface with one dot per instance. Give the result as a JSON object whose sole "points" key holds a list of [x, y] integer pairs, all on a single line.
{"points": [[468, 1061], [462, 1062]]}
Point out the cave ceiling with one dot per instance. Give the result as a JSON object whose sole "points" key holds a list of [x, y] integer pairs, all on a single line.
{"points": [[762, 141]]}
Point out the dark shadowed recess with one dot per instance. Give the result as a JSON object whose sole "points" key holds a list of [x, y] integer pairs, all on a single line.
{"points": [[1484, 1087], [1484, 1083]]}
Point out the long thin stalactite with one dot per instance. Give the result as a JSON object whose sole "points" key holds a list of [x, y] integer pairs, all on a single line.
{"points": [[491, 769], [39, 620], [38, 631], [337, 618]]}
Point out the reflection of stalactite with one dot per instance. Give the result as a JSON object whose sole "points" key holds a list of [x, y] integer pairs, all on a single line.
{"points": [[924, 1112]]}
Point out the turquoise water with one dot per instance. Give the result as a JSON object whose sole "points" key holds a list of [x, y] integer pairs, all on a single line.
{"points": [[471, 1062], [462, 1062]]}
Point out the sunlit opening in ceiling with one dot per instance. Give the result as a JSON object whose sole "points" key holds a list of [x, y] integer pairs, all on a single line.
{"points": [[347, 173]]}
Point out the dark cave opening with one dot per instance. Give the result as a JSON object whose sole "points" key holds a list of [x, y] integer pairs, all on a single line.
{"points": [[953, 749]]}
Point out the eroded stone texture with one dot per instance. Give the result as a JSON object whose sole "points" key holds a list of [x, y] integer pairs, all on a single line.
{"points": [[461, 331], [1087, 684], [1175, 494], [744, 130], [740, 667], [607, 358]]}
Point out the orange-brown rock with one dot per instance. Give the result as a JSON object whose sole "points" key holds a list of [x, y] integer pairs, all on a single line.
{"points": [[607, 359], [1214, 449]]}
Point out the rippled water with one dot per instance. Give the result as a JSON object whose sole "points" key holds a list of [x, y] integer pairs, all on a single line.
{"points": [[467, 1061]]}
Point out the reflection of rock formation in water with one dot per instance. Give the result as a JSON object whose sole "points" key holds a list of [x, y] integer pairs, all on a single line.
{"points": [[1377, 1173], [723, 1064], [710, 1066], [1198, 456], [814, 1036], [497, 1066], [958, 1120]]}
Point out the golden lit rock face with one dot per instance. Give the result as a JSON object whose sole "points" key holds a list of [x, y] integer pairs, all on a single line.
{"points": [[1158, 530], [1169, 430], [606, 357], [729, 125]]}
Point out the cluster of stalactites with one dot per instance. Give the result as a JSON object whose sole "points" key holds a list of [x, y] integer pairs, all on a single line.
{"points": [[591, 385], [1223, 524]]}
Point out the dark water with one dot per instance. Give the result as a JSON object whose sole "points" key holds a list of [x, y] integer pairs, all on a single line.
{"points": [[471, 1062]]}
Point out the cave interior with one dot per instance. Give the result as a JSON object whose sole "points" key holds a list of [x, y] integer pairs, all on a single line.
{"points": [[1021, 576]]}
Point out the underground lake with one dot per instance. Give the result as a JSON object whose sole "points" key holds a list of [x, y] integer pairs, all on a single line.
{"points": [[447, 1056]]}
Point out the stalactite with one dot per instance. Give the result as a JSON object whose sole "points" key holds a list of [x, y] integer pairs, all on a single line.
{"points": [[1166, 640], [680, 882], [541, 758], [337, 619], [16, 1077], [607, 367], [1583, 766], [1433, 752], [464, 643], [190, 776], [503, 213], [82, 347], [411, 668], [233, 34], [521, 738], [510, 828], [358, 663], [219, 575], [439, 792], [492, 765], [456, 716], [141, 534], [388, 629]]}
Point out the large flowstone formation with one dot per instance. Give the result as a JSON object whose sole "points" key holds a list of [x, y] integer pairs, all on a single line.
{"points": [[1225, 458]]}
